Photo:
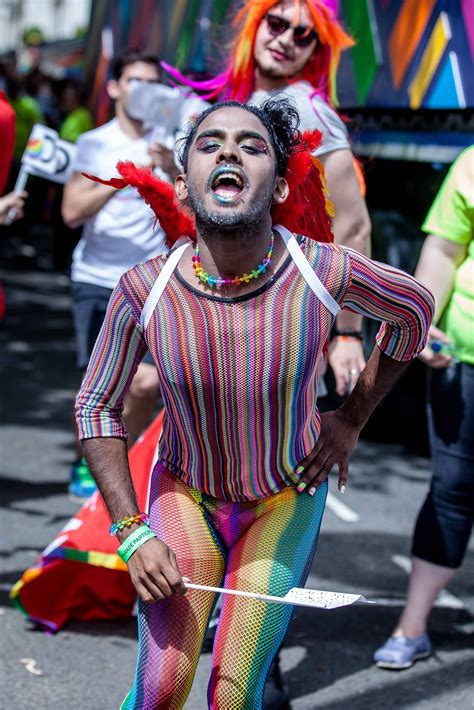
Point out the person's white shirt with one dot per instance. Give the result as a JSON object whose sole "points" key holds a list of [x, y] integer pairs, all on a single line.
{"points": [[123, 233], [314, 113]]}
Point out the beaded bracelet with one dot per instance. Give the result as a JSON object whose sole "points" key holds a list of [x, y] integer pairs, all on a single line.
{"points": [[134, 541], [136, 519]]}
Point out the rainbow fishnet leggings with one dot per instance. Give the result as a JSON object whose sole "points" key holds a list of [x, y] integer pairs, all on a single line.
{"points": [[265, 546]]}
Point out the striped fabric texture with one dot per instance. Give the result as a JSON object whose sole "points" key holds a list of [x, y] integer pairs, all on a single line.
{"points": [[239, 376]]}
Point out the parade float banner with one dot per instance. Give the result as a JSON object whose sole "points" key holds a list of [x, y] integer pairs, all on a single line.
{"points": [[184, 33], [410, 54]]}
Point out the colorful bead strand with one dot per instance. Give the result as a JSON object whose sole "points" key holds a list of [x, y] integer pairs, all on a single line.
{"points": [[128, 521], [218, 282]]}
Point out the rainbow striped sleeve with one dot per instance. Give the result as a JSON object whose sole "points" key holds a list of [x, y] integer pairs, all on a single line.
{"points": [[387, 294], [117, 353]]}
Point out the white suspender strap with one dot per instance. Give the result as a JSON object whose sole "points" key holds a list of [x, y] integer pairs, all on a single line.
{"points": [[306, 270], [291, 244], [160, 284]]}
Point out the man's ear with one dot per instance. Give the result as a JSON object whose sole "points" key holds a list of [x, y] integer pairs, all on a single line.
{"points": [[181, 187], [281, 191], [112, 89]]}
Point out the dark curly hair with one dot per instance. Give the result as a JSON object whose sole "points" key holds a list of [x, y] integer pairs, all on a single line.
{"points": [[278, 115]]}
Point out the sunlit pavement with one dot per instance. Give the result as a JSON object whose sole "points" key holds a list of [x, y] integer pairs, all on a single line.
{"points": [[364, 548]]}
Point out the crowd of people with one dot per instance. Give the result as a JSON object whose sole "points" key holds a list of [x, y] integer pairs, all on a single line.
{"points": [[60, 104], [38, 98], [276, 222]]}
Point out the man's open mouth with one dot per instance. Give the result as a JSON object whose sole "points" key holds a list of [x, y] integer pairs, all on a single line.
{"points": [[227, 183]]}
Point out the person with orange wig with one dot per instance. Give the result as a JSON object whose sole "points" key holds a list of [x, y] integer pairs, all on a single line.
{"points": [[293, 47]]}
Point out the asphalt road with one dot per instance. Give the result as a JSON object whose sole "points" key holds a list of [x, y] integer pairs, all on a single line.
{"points": [[363, 548]]}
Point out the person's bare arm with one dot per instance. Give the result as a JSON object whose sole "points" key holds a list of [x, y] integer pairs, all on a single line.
{"points": [[83, 199], [405, 307], [352, 229], [436, 269], [153, 568], [119, 349], [340, 429], [351, 222]]}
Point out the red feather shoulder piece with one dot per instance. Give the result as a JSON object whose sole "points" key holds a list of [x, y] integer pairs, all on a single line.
{"points": [[159, 195], [307, 210]]}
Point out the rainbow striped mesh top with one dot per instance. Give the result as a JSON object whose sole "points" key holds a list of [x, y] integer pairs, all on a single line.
{"points": [[239, 375]]}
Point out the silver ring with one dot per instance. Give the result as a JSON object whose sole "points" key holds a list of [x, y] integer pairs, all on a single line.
{"points": [[354, 372]]}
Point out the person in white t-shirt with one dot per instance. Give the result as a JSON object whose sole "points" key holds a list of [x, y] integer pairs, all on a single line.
{"points": [[119, 231]]}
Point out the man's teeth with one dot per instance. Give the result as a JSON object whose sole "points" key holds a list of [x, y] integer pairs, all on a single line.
{"points": [[232, 177]]}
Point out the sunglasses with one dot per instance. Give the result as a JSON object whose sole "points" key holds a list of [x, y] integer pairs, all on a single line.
{"points": [[142, 81], [302, 36]]}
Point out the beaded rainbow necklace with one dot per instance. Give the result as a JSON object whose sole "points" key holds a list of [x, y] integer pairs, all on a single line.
{"points": [[218, 282]]}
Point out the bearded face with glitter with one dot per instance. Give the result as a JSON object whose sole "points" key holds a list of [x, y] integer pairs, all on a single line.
{"points": [[231, 175]]}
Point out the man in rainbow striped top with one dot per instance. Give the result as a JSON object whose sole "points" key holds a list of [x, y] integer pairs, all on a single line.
{"points": [[236, 323]]}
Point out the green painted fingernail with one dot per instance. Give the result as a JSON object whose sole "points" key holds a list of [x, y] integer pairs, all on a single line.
{"points": [[301, 486], [299, 469]]}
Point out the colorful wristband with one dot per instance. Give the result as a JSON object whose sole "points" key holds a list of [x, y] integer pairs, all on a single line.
{"points": [[134, 541]]}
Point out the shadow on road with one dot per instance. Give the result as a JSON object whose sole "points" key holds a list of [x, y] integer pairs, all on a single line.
{"points": [[37, 351], [401, 690], [15, 490]]}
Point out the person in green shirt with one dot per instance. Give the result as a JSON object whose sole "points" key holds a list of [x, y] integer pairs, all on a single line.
{"points": [[444, 523], [27, 113], [78, 117]]}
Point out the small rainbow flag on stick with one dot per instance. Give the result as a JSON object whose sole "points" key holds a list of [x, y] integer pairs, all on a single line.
{"points": [[34, 147], [46, 156]]}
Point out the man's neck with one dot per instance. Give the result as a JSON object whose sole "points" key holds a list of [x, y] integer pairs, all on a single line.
{"points": [[232, 254], [269, 83], [132, 128]]}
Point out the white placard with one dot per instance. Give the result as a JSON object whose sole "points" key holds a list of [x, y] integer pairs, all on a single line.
{"points": [[296, 596], [157, 105], [40, 151], [47, 156], [320, 599]]}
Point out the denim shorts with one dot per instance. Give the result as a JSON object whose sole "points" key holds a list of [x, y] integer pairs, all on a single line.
{"points": [[89, 308]]}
